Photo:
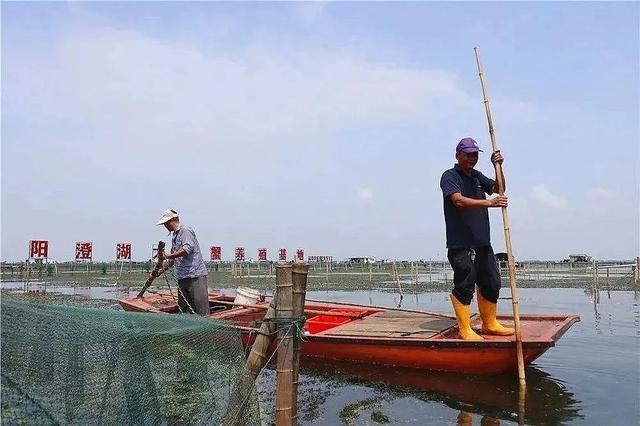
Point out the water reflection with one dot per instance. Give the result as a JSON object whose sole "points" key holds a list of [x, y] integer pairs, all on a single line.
{"points": [[488, 398]]}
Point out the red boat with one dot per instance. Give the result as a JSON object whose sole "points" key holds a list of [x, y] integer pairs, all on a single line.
{"points": [[387, 336]]}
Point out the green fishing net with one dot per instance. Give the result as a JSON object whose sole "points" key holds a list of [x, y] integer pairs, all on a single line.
{"points": [[75, 365]]}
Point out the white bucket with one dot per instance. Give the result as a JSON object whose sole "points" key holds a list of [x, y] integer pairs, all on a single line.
{"points": [[247, 296]]}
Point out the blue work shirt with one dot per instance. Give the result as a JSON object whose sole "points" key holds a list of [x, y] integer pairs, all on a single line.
{"points": [[466, 228], [191, 265]]}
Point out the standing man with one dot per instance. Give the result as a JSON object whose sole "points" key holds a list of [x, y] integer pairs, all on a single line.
{"points": [[468, 239], [193, 292]]}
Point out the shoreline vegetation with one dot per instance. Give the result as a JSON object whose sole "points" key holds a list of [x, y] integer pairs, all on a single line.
{"points": [[412, 277]]}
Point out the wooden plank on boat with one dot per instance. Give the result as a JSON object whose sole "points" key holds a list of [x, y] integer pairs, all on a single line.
{"points": [[394, 324]]}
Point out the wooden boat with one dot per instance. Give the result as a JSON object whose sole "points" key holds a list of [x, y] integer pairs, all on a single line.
{"points": [[387, 336]]}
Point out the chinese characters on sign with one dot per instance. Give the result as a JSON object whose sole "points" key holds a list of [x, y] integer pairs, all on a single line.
{"points": [[38, 249], [123, 251], [300, 254], [83, 251], [262, 254], [216, 253], [239, 254], [326, 259], [282, 255]]}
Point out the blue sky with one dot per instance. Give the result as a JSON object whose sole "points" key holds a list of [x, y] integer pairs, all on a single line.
{"points": [[324, 126]]}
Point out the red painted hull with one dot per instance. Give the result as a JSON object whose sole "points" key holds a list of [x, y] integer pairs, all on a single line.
{"points": [[443, 351]]}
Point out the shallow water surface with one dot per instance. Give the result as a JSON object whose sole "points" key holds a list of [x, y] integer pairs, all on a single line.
{"points": [[591, 377]]}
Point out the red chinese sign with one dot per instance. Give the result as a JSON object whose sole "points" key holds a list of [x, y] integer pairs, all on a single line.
{"points": [[38, 249], [300, 254], [239, 254], [262, 254], [282, 255], [84, 251], [216, 253], [123, 251]]}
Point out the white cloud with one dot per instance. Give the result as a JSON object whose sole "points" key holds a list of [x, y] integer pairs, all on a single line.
{"points": [[123, 80], [546, 197], [364, 194]]}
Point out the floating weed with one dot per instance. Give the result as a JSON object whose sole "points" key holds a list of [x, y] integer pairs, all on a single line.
{"points": [[379, 417], [351, 412]]}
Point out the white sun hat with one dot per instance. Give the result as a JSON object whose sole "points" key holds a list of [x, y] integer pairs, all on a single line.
{"points": [[167, 215]]}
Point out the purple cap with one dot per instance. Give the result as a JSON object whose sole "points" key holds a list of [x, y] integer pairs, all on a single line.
{"points": [[468, 145]]}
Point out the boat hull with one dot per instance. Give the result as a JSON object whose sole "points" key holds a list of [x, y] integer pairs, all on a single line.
{"points": [[442, 350]]}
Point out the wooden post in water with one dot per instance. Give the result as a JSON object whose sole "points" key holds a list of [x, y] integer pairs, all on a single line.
{"points": [[284, 361], [515, 302], [636, 271], [252, 367], [397, 279], [299, 276]]}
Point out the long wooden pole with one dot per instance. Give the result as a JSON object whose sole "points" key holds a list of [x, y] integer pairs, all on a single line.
{"points": [[299, 276], [160, 260], [306, 311], [252, 367], [284, 361], [507, 231]]}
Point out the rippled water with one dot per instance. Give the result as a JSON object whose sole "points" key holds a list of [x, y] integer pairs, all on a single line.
{"points": [[591, 377]]}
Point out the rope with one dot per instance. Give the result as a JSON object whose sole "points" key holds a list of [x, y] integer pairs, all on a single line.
{"points": [[173, 276], [246, 398]]}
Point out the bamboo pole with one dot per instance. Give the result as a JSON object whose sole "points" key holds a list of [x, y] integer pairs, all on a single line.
{"points": [[306, 311], [284, 362], [389, 308], [299, 276], [158, 266], [252, 367], [507, 231]]}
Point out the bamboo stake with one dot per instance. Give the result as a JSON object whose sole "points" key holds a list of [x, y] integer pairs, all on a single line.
{"points": [[252, 367], [284, 362], [299, 278], [397, 278], [507, 231]]}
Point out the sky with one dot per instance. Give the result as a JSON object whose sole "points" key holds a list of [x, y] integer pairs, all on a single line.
{"points": [[322, 126]]}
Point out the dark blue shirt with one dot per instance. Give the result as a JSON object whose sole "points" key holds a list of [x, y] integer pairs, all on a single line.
{"points": [[466, 228]]}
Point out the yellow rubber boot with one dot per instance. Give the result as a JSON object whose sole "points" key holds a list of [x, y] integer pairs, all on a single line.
{"points": [[490, 324], [464, 321]]}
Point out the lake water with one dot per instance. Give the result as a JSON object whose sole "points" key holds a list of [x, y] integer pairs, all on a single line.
{"points": [[591, 377]]}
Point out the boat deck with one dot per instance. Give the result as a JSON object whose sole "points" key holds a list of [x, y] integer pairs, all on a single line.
{"points": [[394, 324]]}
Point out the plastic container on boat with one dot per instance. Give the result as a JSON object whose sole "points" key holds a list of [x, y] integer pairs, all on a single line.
{"points": [[247, 296]]}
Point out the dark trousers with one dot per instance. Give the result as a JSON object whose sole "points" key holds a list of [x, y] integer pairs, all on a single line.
{"points": [[193, 296], [471, 266]]}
